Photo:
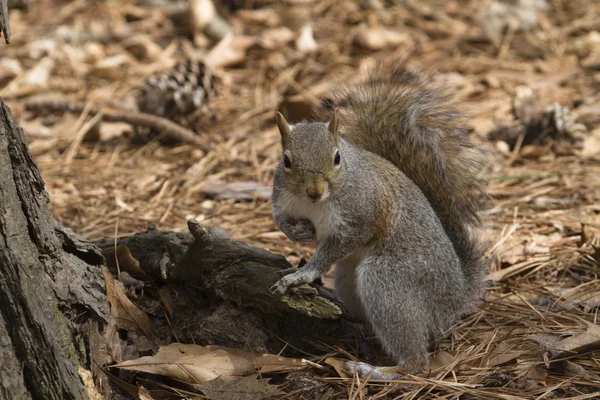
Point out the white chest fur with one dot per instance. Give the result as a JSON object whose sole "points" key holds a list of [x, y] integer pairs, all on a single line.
{"points": [[322, 215]]}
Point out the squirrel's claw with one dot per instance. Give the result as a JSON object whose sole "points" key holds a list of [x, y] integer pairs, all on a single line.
{"points": [[299, 277]]}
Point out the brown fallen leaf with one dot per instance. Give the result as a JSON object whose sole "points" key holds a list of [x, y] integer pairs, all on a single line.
{"points": [[379, 38], [276, 37], [127, 314], [144, 394], [571, 368], [127, 263], [502, 354], [229, 51], [112, 130], [338, 365], [111, 68], [267, 363], [262, 16], [306, 43], [533, 152], [531, 371], [579, 343], [166, 299], [586, 296], [196, 364], [591, 144], [441, 360], [245, 388]]}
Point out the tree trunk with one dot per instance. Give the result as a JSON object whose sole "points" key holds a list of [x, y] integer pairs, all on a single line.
{"points": [[51, 286]]}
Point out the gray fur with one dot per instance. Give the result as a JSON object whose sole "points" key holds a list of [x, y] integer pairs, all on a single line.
{"points": [[402, 264]]}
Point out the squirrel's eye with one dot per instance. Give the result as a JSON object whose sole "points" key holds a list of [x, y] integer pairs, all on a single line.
{"points": [[286, 162], [337, 159]]}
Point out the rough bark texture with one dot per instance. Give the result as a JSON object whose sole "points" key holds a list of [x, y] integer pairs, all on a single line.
{"points": [[50, 283], [225, 287]]}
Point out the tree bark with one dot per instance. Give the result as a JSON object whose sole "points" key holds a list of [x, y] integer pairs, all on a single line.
{"points": [[4, 24], [51, 286]]}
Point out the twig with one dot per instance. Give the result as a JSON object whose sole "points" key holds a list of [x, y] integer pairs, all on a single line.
{"points": [[157, 123], [81, 132]]}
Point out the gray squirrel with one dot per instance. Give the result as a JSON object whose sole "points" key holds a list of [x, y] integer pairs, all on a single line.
{"points": [[388, 191]]}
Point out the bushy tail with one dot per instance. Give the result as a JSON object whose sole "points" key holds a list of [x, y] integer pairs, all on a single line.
{"points": [[402, 116]]}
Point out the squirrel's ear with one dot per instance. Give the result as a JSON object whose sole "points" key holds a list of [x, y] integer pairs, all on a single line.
{"points": [[333, 124], [284, 128]]}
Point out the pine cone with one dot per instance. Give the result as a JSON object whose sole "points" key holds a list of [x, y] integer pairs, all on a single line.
{"points": [[181, 94]]}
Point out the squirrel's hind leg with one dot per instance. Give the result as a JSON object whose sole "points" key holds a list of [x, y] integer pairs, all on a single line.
{"points": [[391, 306], [344, 276]]}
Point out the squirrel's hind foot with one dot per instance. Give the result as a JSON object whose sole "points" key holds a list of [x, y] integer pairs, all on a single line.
{"points": [[368, 371], [396, 372]]}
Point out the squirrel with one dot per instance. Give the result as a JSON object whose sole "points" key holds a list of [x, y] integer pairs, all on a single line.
{"points": [[388, 190]]}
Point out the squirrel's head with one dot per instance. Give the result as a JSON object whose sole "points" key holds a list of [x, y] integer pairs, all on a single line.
{"points": [[311, 160]]}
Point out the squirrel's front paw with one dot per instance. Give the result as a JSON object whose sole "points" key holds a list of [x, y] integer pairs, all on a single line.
{"points": [[299, 231], [295, 279]]}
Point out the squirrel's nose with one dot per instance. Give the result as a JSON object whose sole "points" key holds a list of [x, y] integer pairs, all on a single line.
{"points": [[314, 194]]}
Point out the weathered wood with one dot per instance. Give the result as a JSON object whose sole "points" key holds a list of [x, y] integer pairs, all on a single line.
{"points": [[48, 278], [237, 278]]}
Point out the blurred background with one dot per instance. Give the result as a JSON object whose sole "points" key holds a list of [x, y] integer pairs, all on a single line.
{"points": [[93, 82], [151, 112]]}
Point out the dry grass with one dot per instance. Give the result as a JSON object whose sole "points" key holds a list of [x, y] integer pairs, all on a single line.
{"points": [[541, 200]]}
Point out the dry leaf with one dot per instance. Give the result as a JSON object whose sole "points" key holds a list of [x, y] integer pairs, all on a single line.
{"points": [[587, 296], [267, 363], [533, 152], [503, 148], [502, 354], [521, 15], [591, 144], [338, 365], [245, 388], [144, 394], [143, 47], [570, 368], [110, 68], [265, 16], [127, 263], [582, 342], [88, 382], [33, 81], [441, 360], [127, 314], [166, 299], [276, 37], [112, 130], [379, 38], [305, 43], [229, 51], [202, 13], [194, 364], [9, 68]]}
